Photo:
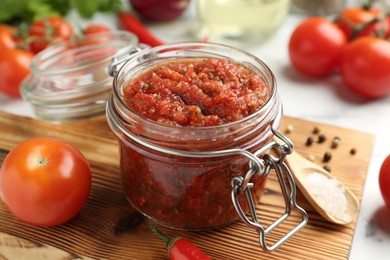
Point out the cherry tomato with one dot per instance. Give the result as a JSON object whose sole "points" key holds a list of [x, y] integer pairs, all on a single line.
{"points": [[384, 180], [45, 181], [365, 67], [94, 28], [315, 46], [49, 30], [14, 67], [96, 34], [14, 63], [360, 21]]}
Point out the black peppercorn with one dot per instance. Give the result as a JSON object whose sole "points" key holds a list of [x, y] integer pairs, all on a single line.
{"points": [[309, 141], [321, 138], [327, 157]]}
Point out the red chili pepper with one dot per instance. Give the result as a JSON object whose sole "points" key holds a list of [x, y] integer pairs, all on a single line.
{"points": [[132, 24], [180, 248]]}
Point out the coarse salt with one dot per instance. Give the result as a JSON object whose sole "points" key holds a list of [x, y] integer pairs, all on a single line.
{"points": [[329, 193]]}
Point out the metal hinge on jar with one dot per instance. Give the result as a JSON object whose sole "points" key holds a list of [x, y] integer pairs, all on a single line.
{"points": [[288, 188], [113, 67]]}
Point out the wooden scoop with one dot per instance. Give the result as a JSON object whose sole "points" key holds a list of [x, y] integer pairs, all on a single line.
{"points": [[303, 171]]}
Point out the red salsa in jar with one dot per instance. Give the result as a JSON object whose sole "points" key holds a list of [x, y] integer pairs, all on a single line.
{"points": [[202, 92], [189, 192]]}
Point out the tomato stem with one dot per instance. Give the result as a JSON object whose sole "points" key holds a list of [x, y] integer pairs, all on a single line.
{"points": [[357, 29], [367, 5], [49, 30], [41, 161]]}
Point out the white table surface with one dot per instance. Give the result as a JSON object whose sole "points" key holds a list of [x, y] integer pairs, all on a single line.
{"points": [[323, 100]]}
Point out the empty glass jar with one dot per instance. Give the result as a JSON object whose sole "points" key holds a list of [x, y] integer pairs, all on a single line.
{"points": [[70, 80]]}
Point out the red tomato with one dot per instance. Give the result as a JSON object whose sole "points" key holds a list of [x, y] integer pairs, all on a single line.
{"points": [[384, 180], [360, 21], [96, 28], [44, 181], [49, 30], [14, 67], [365, 67], [315, 46], [7, 40]]}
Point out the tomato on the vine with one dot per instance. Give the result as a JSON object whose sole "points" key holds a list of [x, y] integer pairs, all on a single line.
{"points": [[363, 21], [45, 181], [384, 180], [379, 29], [365, 67], [315, 46], [48, 30]]}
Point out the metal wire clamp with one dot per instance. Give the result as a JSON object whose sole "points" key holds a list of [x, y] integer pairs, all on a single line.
{"points": [[286, 181]]}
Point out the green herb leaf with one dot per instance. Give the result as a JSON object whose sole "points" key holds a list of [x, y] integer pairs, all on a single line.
{"points": [[17, 11], [86, 8]]}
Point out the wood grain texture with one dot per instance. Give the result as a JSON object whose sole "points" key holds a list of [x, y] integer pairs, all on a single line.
{"points": [[108, 228]]}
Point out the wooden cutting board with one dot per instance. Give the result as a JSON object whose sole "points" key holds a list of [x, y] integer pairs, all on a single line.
{"points": [[108, 228]]}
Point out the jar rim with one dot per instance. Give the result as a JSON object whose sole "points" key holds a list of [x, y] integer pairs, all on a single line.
{"points": [[197, 46]]}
